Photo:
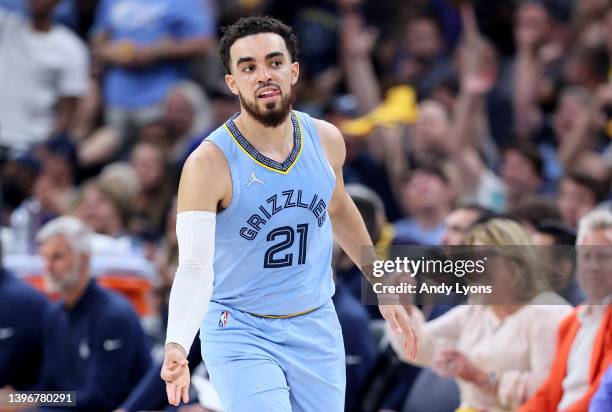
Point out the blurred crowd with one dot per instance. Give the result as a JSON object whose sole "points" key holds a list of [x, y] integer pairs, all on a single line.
{"points": [[466, 122]]}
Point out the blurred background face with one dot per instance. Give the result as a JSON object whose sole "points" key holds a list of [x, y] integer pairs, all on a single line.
{"points": [[41, 7], [500, 273], [566, 114], [157, 133], [532, 20], [430, 130], [148, 163], [595, 264], [57, 168], [423, 39], [518, 174], [424, 190], [608, 29], [593, 8], [457, 225], [62, 264], [179, 114], [555, 259], [98, 211], [574, 201]]}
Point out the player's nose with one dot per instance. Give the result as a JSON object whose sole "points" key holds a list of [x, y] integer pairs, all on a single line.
{"points": [[264, 75]]}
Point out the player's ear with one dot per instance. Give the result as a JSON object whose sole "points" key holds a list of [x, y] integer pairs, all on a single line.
{"points": [[295, 72], [231, 83]]}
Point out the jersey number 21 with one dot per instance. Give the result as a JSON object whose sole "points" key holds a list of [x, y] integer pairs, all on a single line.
{"points": [[287, 236]]}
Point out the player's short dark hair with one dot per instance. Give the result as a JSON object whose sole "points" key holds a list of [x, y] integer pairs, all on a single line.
{"points": [[247, 26]]}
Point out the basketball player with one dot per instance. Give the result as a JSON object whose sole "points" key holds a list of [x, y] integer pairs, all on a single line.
{"points": [[256, 205]]}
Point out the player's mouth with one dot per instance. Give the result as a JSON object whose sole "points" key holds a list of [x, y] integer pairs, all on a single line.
{"points": [[268, 93]]}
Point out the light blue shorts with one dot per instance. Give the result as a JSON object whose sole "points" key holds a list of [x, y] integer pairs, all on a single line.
{"points": [[275, 365]]}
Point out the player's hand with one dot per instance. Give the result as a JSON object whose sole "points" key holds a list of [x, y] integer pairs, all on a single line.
{"points": [[401, 323], [176, 374]]}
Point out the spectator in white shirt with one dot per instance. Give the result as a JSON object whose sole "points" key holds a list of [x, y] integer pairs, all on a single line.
{"points": [[44, 71]]}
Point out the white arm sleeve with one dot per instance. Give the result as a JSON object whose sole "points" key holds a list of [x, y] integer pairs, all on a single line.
{"points": [[193, 282]]}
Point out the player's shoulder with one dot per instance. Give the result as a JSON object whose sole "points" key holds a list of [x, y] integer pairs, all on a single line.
{"points": [[327, 130], [206, 167], [207, 157], [332, 140]]}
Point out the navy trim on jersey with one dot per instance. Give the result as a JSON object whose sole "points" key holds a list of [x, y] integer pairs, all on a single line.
{"points": [[263, 160]]}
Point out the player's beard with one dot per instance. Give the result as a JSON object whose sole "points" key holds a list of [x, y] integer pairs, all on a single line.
{"points": [[274, 114]]}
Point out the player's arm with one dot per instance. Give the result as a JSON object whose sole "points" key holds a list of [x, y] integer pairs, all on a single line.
{"points": [[349, 229], [351, 234], [205, 184]]}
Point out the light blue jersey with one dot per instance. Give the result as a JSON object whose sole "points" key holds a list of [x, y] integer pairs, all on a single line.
{"points": [[274, 241]]}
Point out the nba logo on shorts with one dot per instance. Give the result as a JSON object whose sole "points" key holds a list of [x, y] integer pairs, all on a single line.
{"points": [[223, 318]]}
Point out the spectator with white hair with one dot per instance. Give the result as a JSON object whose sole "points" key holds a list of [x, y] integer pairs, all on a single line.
{"points": [[93, 342], [583, 350]]}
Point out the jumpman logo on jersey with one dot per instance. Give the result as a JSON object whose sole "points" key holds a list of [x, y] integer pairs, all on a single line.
{"points": [[253, 179]]}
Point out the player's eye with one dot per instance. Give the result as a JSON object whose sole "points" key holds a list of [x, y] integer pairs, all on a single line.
{"points": [[276, 63], [248, 68]]}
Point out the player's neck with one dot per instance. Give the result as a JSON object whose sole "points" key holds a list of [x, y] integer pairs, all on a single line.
{"points": [[262, 137]]}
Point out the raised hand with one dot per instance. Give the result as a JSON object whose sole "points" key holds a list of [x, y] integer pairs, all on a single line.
{"points": [[357, 40]]}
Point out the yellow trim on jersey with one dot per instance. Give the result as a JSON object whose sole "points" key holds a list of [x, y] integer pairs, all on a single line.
{"points": [[266, 166], [291, 315]]}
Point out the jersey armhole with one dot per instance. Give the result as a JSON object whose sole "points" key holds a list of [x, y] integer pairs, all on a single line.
{"points": [[235, 184], [316, 140]]}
